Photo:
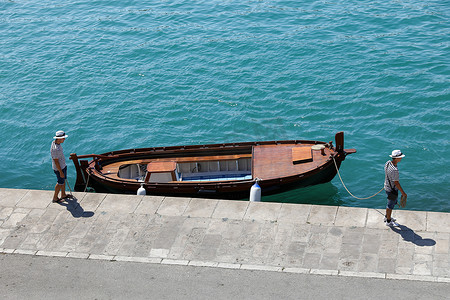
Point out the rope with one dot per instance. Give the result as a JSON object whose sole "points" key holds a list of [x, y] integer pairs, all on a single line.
{"points": [[87, 182], [337, 169], [67, 181]]}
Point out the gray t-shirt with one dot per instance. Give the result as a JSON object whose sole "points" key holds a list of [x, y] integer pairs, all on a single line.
{"points": [[391, 175], [56, 151]]}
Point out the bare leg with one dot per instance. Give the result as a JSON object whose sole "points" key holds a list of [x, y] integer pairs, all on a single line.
{"points": [[388, 213], [63, 191], [57, 189]]}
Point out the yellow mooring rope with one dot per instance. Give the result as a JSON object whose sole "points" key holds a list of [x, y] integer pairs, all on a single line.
{"points": [[337, 169]]}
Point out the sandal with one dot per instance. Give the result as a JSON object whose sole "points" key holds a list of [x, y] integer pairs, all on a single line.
{"points": [[57, 200]]}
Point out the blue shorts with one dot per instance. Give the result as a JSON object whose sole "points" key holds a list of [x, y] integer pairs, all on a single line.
{"points": [[61, 181], [391, 203]]}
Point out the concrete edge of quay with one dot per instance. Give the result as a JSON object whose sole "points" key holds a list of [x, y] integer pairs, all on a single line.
{"points": [[424, 221]]}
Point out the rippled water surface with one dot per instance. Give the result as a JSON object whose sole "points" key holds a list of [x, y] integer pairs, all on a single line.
{"points": [[128, 74]]}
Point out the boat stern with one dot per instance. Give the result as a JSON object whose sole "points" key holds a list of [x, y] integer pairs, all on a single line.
{"points": [[339, 138]]}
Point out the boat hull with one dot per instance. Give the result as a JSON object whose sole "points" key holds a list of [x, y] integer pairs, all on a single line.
{"points": [[277, 165]]}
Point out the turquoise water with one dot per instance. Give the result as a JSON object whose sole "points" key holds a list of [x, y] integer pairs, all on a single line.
{"points": [[126, 74]]}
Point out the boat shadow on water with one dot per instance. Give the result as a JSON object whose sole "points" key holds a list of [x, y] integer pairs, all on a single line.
{"points": [[75, 208], [409, 235]]}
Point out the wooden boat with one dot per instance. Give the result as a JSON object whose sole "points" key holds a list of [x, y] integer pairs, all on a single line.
{"points": [[225, 171]]}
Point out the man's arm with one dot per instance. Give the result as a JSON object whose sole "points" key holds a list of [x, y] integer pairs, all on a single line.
{"points": [[61, 173], [399, 187]]}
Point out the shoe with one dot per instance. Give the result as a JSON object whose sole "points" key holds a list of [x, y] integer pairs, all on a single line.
{"points": [[57, 201], [392, 223], [392, 219]]}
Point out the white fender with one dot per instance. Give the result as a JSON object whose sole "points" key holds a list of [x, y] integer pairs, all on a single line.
{"points": [[141, 190], [255, 192]]}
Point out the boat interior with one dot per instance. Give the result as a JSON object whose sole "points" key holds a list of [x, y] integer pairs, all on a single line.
{"points": [[163, 171], [265, 162]]}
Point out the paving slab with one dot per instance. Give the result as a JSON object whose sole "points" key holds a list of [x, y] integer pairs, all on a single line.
{"points": [[294, 213], [262, 211], [14, 219], [5, 212], [77, 255], [4, 234], [351, 216], [412, 219], [173, 206], [149, 205], [51, 253], [231, 209], [36, 199], [78, 195], [442, 246], [10, 197], [322, 215], [375, 218], [200, 208], [91, 201], [138, 259], [438, 222], [116, 203]]}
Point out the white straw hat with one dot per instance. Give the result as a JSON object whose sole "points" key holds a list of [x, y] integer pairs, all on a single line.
{"points": [[60, 135], [397, 154]]}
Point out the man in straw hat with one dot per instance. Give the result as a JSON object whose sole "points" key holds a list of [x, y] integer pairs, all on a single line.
{"points": [[392, 185], [59, 165]]}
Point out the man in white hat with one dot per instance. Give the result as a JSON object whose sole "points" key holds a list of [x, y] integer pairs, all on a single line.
{"points": [[392, 185], [59, 165]]}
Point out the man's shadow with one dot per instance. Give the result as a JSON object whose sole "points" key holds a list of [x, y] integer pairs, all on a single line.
{"points": [[75, 208], [410, 236]]}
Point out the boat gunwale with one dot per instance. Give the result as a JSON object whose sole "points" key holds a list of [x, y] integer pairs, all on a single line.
{"points": [[204, 147]]}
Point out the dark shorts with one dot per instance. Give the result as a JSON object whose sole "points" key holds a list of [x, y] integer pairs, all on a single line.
{"points": [[391, 203], [61, 181]]}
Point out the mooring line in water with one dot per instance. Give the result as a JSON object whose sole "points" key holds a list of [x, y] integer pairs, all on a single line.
{"points": [[337, 169]]}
